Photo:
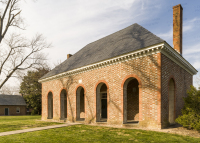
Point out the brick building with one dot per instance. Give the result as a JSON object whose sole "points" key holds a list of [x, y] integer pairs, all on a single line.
{"points": [[130, 76], [12, 105]]}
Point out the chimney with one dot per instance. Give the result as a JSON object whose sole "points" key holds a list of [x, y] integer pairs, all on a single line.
{"points": [[68, 56], [177, 27]]}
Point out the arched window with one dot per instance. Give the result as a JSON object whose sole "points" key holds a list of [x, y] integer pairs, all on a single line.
{"points": [[17, 110]]}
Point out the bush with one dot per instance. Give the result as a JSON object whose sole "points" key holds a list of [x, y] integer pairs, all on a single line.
{"points": [[34, 112], [191, 112]]}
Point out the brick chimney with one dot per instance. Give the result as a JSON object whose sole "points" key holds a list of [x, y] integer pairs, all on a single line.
{"points": [[177, 27], [68, 56]]}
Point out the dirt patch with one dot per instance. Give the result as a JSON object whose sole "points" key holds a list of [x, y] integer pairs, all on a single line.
{"points": [[181, 131], [176, 129]]}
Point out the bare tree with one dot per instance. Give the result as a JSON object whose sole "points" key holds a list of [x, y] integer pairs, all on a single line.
{"points": [[17, 53], [9, 90]]}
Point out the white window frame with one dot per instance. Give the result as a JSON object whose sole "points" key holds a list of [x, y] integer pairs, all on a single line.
{"points": [[19, 110]]}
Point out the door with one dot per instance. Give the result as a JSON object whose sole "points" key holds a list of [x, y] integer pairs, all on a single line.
{"points": [[6, 111]]}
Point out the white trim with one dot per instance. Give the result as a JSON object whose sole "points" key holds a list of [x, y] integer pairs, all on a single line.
{"points": [[164, 48]]}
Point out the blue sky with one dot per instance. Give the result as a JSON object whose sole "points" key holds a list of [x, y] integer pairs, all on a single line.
{"points": [[70, 25]]}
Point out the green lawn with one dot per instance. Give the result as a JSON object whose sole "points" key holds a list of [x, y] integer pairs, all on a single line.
{"points": [[11, 123], [80, 133], [86, 133]]}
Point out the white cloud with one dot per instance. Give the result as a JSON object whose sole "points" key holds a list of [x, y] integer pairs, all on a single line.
{"points": [[70, 25], [197, 64], [192, 49], [167, 36], [66, 22]]}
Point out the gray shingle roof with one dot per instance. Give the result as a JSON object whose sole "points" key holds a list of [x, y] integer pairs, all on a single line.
{"points": [[121, 42], [12, 100]]}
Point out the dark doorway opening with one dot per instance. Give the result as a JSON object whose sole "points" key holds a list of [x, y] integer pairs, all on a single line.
{"points": [[50, 105], [63, 104], [80, 104], [102, 107], [6, 111], [131, 101]]}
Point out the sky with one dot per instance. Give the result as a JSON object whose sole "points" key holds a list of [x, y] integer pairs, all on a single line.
{"points": [[71, 24]]}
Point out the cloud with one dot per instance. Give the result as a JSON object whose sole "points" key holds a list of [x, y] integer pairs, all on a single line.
{"points": [[192, 49], [71, 25], [188, 27], [196, 64], [167, 36]]}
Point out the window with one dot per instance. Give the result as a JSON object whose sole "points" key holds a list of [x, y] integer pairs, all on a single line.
{"points": [[18, 110]]}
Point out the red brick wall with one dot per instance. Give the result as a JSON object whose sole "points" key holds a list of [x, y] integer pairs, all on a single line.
{"points": [[147, 69], [182, 80], [12, 110]]}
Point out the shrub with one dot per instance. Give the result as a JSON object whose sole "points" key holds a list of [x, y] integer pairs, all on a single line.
{"points": [[191, 112], [34, 112]]}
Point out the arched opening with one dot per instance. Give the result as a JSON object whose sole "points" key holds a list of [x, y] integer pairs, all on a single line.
{"points": [[63, 104], [101, 103], [50, 105], [171, 101], [80, 104], [131, 101]]}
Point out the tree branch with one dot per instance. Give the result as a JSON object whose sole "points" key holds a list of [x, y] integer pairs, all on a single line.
{"points": [[9, 24]]}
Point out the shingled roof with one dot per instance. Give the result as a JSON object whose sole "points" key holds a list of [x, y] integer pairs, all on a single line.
{"points": [[12, 100], [121, 42]]}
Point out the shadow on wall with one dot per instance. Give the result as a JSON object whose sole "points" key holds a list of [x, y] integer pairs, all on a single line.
{"points": [[67, 84]]}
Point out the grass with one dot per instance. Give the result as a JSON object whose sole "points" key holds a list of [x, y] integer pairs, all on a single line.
{"points": [[86, 133], [80, 133], [11, 123]]}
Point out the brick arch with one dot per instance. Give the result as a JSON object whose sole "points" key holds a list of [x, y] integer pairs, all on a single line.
{"points": [[77, 110], [124, 106], [172, 77], [48, 92], [101, 81], [63, 89], [80, 85], [131, 76], [108, 96], [174, 101]]}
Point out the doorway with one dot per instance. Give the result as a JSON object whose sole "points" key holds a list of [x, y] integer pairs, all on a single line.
{"points": [[6, 111], [131, 101], [80, 104], [50, 105], [63, 104], [101, 103]]}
